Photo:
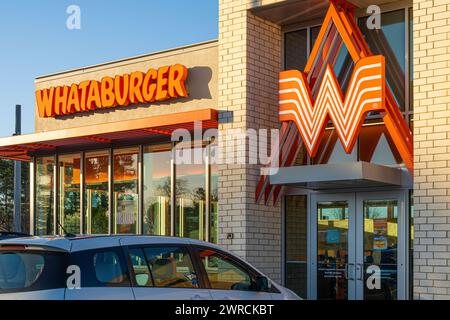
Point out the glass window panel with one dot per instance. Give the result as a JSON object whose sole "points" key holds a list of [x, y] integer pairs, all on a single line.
{"points": [[157, 161], [96, 192], [224, 273], [171, 267], [295, 50], [214, 218], [69, 192], [376, 146], [382, 154], [390, 42], [140, 267], [314, 34], [411, 244], [380, 247], [339, 155], [411, 64], [21, 270], [332, 250], [190, 193], [125, 185], [108, 268], [296, 226], [44, 195]]}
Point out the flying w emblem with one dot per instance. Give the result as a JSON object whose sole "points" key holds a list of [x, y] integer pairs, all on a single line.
{"points": [[365, 93], [306, 117]]}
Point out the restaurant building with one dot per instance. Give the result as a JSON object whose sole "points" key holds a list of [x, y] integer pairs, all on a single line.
{"points": [[349, 214]]}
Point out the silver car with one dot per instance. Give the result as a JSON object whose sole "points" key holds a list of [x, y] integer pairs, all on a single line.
{"points": [[128, 268]]}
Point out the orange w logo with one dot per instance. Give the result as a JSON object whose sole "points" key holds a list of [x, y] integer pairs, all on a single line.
{"points": [[365, 93]]}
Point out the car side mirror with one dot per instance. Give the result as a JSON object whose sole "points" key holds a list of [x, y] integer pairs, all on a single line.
{"points": [[262, 283], [142, 279]]}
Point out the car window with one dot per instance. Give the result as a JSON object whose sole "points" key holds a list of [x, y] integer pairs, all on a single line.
{"points": [[140, 267], [104, 267], [20, 270], [224, 272], [107, 267], [30, 270], [163, 267]]}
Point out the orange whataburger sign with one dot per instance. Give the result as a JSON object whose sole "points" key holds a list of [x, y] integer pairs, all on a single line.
{"points": [[365, 93], [137, 87], [308, 100]]}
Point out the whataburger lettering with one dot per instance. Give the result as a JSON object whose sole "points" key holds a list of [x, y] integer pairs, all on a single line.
{"points": [[137, 87]]}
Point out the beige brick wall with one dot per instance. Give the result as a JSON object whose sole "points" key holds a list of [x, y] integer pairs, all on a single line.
{"points": [[249, 62], [432, 149]]}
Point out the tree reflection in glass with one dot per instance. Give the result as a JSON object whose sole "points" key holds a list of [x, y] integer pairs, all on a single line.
{"points": [[44, 195], [157, 189], [69, 192], [126, 204], [190, 197], [96, 192]]}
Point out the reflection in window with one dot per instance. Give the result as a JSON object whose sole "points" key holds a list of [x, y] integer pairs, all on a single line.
{"points": [[214, 219], [377, 146], [108, 268], [332, 250], [314, 34], [96, 194], [190, 193], [125, 190], [380, 247], [157, 189], [411, 244], [390, 42], [20, 270], [223, 273], [169, 267], [69, 192], [295, 50], [44, 195], [142, 274], [411, 64], [296, 226]]}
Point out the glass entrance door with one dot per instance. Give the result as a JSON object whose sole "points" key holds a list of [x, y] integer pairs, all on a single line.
{"points": [[332, 256], [358, 246], [381, 248]]}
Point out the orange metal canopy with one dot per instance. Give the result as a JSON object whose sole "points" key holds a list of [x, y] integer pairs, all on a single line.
{"points": [[20, 147]]}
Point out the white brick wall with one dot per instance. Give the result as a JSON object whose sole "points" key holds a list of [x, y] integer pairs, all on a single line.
{"points": [[431, 149], [249, 62]]}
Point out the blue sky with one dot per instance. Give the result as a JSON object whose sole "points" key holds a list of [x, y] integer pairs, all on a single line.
{"points": [[35, 41]]}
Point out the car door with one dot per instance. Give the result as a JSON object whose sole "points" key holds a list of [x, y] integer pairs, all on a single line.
{"points": [[103, 275], [165, 272], [228, 277]]}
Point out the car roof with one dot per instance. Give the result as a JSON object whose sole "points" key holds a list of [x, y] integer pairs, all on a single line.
{"points": [[87, 242]]}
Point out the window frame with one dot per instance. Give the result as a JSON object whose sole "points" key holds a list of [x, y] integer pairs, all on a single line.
{"points": [[192, 254]]}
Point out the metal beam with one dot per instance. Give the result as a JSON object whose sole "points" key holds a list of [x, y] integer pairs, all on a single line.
{"points": [[18, 177]]}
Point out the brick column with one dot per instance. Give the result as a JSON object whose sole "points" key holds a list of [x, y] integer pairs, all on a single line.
{"points": [[249, 62], [431, 149]]}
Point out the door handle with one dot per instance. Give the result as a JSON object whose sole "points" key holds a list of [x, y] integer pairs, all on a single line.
{"points": [[350, 271], [359, 273]]}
